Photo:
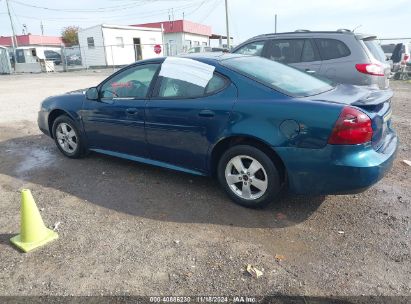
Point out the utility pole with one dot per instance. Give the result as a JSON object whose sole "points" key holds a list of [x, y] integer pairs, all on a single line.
{"points": [[13, 39], [41, 27], [275, 28], [226, 22]]}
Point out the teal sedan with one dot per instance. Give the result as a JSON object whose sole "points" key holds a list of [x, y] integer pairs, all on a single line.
{"points": [[256, 125]]}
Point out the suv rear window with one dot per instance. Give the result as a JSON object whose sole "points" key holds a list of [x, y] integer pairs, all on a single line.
{"points": [[375, 49], [332, 48]]}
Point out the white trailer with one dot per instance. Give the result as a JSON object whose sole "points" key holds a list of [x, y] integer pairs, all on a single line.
{"points": [[117, 45]]}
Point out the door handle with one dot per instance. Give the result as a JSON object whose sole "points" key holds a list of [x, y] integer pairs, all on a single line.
{"points": [[206, 113], [309, 71], [132, 111]]}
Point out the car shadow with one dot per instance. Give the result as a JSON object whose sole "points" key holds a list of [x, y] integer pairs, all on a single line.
{"points": [[142, 190]]}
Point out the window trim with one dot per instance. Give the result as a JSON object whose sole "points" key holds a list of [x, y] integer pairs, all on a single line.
{"points": [[320, 52], [150, 87], [156, 90]]}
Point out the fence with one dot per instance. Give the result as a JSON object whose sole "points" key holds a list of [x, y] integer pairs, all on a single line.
{"points": [[112, 56], [5, 63]]}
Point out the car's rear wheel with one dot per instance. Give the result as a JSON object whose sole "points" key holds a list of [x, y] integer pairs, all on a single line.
{"points": [[249, 176], [67, 137]]}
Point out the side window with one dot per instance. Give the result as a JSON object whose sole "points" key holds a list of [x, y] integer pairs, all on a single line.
{"points": [[285, 51], [176, 88], [332, 48], [309, 53], [253, 48], [131, 83]]}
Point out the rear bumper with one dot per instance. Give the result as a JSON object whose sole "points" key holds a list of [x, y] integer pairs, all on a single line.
{"points": [[42, 122], [336, 169]]}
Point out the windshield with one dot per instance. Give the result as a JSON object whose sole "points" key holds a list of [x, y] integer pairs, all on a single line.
{"points": [[278, 76], [375, 49]]}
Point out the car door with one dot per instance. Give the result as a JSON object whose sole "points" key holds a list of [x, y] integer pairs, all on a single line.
{"points": [[337, 62], [115, 122], [310, 61], [189, 110]]}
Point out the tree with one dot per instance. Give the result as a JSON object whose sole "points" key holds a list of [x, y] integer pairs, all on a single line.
{"points": [[70, 35]]}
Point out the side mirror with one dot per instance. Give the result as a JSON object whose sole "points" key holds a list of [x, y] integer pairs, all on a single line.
{"points": [[92, 94]]}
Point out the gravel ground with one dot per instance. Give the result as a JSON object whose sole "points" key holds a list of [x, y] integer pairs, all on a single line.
{"points": [[133, 229]]}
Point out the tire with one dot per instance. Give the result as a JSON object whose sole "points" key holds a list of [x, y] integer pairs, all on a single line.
{"points": [[67, 137], [267, 177]]}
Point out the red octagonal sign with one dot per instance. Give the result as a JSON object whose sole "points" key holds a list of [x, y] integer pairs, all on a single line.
{"points": [[157, 49]]}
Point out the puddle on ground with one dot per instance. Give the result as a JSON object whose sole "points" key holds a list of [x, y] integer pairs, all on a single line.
{"points": [[33, 159]]}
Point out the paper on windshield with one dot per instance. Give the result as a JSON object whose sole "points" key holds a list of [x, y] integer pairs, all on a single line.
{"points": [[188, 70]]}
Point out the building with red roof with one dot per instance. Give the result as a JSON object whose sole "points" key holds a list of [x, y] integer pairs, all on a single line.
{"points": [[182, 34], [32, 40]]}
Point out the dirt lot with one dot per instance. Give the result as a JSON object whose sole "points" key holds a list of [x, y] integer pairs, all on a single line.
{"points": [[132, 229]]}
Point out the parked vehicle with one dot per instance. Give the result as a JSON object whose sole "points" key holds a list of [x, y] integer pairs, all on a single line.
{"points": [[255, 124], [341, 56], [73, 59], [53, 56], [401, 60], [401, 53], [388, 49]]}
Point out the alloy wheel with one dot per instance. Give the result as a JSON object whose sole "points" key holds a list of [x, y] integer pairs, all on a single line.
{"points": [[246, 177], [66, 137]]}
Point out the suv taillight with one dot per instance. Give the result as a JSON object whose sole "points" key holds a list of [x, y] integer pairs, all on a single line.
{"points": [[352, 127], [370, 68]]}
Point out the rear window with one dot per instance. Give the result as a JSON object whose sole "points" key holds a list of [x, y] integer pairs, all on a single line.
{"points": [[280, 77], [332, 49], [375, 49]]}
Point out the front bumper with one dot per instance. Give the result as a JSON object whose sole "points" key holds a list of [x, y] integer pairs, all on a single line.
{"points": [[336, 169], [42, 122]]}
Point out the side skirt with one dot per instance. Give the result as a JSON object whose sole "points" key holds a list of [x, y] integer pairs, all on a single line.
{"points": [[149, 161]]}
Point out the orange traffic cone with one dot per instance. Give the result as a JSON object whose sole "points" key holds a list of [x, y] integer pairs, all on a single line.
{"points": [[33, 232]]}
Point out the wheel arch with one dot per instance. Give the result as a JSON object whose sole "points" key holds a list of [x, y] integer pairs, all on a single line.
{"points": [[234, 140], [53, 116]]}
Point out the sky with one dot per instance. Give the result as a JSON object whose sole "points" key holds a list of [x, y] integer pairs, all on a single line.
{"points": [[247, 18]]}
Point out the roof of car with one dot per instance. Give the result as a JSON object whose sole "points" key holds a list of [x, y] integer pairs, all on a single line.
{"points": [[207, 57], [302, 33], [299, 32]]}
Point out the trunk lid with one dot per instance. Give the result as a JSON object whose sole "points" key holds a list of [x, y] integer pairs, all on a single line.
{"points": [[373, 102]]}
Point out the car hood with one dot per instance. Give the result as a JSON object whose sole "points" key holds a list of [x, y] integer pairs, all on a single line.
{"points": [[354, 95]]}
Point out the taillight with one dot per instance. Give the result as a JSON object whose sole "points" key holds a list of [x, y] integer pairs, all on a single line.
{"points": [[406, 57], [352, 127], [370, 68]]}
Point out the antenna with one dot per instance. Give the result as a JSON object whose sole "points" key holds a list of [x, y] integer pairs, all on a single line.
{"points": [[358, 26]]}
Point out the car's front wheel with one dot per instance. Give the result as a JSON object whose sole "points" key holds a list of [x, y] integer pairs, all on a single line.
{"points": [[67, 137], [249, 176]]}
